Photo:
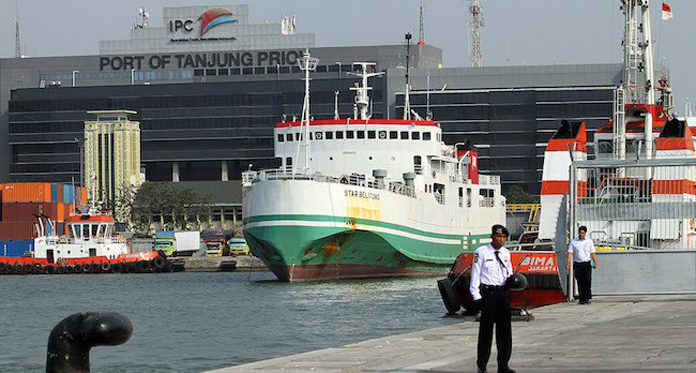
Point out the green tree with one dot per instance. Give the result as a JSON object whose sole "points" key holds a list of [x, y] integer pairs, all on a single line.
{"points": [[516, 194], [174, 209]]}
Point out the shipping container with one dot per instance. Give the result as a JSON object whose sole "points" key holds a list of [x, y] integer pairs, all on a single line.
{"points": [[13, 231], [25, 211], [54, 192], [62, 211], [26, 192], [16, 248], [83, 196], [69, 192]]}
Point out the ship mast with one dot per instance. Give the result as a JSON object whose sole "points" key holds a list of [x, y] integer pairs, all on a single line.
{"points": [[638, 63], [362, 99], [307, 64], [407, 102]]}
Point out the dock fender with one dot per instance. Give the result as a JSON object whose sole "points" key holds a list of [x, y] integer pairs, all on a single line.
{"points": [[86, 268], [142, 266], [117, 267], [106, 267], [94, 268], [50, 270], [37, 268], [2, 266], [159, 262], [449, 296], [79, 269]]}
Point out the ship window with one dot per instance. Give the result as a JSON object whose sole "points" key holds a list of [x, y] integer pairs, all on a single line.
{"points": [[417, 167], [281, 138], [415, 136], [468, 197], [606, 146], [311, 135], [461, 197], [426, 136], [339, 135], [288, 136], [439, 137], [404, 135], [95, 230], [393, 135], [329, 135], [288, 163], [383, 135], [85, 231], [371, 134], [361, 134], [322, 68], [350, 134], [297, 136]]}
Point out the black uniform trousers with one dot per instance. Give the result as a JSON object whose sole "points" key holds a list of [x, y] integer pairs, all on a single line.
{"points": [[583, 274], [495, 310]]}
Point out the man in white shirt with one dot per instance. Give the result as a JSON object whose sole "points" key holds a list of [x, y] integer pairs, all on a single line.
{"points": [[582, 252], [489, 273]]}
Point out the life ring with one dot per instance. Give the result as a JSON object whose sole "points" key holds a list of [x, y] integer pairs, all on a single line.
{"points": [[106, 267], [86, 267], [159, 262], [382, 134]]}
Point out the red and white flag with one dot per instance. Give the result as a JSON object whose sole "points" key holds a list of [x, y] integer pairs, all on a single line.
{"points": [[666, 12]]}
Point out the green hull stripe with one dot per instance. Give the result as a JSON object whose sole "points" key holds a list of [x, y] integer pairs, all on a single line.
{"points": [[346, 220]]}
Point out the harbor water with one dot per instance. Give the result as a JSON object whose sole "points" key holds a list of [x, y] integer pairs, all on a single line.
{"points": [[193, 322]]}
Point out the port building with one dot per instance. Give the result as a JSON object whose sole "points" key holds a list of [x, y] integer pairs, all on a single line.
{"points": [[207, 100]]}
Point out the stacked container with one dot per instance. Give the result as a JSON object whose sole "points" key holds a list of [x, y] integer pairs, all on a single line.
{"points": [[23, 202]]}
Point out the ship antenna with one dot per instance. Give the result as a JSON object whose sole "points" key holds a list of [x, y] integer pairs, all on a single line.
{"points": [[307, 64], [407, 103], [362, 99], [336, 117]]}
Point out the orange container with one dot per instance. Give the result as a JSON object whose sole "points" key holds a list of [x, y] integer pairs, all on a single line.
{"points": [[60, 211], [26, 192], [83, 196]]}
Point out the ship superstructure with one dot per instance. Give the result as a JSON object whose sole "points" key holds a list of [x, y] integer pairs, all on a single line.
{"points": [[364, 197], [638, 188]]}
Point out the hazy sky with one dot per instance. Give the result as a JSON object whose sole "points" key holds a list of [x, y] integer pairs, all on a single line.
{"points": [[516, 32]]}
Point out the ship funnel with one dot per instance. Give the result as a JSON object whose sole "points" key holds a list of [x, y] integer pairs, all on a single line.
{"points": [[379, 175], [408, 179]]}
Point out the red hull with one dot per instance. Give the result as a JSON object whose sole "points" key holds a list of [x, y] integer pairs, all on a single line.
{"points": [[342, 272], [139, 262]]}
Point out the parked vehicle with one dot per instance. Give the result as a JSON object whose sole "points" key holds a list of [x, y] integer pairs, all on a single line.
{"points": [[183, 243]]}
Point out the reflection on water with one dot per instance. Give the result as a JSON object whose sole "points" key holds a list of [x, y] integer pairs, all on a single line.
{"points": [[191, 322]]}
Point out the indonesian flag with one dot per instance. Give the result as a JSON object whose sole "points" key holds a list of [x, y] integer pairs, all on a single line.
{"points": [[666, 12]]}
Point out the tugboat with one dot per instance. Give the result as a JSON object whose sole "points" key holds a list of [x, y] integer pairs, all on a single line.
{"points": [[90, 246], [364, 197]]}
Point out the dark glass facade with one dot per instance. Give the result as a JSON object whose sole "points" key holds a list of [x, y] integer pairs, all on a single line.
{"points": [[191, 128]]}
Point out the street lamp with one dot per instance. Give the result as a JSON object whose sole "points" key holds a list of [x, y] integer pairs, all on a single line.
{"points": [[73, 76]]}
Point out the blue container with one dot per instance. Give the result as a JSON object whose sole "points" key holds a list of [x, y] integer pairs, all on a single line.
{"points": [[16, 248], [68, 194], [54, 193]]}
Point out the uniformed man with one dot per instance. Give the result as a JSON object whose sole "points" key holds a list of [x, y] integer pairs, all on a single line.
{"points": [[581, 252], [489, 273]]}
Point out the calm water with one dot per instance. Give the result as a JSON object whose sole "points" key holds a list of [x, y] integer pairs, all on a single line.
{"points": [[192, 322]]}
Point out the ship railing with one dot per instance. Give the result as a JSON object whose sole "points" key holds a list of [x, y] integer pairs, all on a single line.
{"points": [[353, 179], [535, 246], [489, 180]]}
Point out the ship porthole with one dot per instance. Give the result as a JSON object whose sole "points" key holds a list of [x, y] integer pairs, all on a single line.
{"points": [[331, 158], [370, 158]]}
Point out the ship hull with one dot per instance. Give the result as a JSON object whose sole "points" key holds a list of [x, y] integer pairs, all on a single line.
{"points": [[309, 231]]}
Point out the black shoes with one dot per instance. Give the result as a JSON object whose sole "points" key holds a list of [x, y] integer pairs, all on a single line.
{"points": [[585, 302], [482, 370], [506, 370]]}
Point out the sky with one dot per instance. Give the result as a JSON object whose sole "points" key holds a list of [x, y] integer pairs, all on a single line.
{"points": [[515, 32]]}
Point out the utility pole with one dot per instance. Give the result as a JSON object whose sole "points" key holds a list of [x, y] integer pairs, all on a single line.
{"points": [[421, 29], [18, 46], [475, 24]]}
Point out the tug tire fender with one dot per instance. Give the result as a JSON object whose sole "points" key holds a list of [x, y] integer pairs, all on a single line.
{"points": [[449, 296], [159, 262]]}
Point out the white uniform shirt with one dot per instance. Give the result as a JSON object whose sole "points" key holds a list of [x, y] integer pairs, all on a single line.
{"points": [[487, 270], [581, 249]]}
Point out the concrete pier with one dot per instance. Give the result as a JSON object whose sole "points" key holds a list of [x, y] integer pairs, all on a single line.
{"points": [[613, 334]]}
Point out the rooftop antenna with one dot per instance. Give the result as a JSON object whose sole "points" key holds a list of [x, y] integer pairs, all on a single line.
{"points": [[421, 29], [362, 99], [18, 46], [476, 22], [144, 15], [407, 103], [307, 64]]}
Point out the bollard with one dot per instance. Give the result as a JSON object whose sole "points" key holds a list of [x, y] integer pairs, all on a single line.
{"points": [[73, 337]]}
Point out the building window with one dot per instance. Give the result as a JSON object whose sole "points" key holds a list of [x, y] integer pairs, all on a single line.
{"points": [[248, 71], [223, 72], [259, 70], [196, 72], [236, 71], [210, 72]]}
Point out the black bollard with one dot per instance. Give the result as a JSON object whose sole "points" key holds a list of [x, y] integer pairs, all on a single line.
{"points": [[73, 337]]}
